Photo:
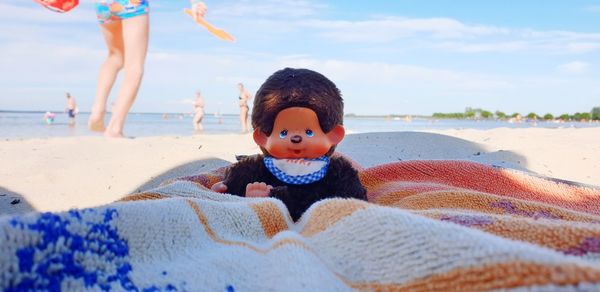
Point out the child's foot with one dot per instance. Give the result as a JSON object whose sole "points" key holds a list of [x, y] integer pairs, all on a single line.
{"points": [[258, 190], [96, 122], [111, 134]]}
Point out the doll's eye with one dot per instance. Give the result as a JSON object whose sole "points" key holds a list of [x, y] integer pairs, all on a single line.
{"points": [[282, 134], [309, 133]]}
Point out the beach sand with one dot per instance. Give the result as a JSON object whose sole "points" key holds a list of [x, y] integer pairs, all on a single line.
{"points": [[57, 174]]}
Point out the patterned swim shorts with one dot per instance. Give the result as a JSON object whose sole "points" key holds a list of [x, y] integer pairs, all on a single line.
{"points": [[111, 10]]}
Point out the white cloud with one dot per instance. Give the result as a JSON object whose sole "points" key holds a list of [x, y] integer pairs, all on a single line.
{"points": [[575, 67], [253, 10], [274, 21], [583, 47], [186, 101], [371, 74], [498, 47], [385, 29], [452, 35], [593, 8], [519, 41]]}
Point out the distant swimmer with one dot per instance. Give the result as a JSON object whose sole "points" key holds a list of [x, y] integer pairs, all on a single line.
{"points": [[49, 117], [71, 109], [244, 98], [198, 111]]}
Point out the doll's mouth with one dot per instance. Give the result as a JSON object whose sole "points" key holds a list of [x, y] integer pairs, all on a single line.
{"points": [[295, 151]]}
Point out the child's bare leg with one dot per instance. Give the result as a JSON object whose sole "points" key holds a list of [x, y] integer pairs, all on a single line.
{"points": [[244, 119], [113, 37], [135, 43], [198, 121]]}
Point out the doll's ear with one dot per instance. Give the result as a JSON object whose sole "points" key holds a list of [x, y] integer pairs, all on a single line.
{"points": [[259, 137], [336, 134]]}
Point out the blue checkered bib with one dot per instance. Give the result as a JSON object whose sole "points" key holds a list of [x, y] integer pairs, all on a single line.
{"points": [[298, 171]]}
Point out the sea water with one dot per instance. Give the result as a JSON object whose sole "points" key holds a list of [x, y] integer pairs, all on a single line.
{"points": [[33, 125]]}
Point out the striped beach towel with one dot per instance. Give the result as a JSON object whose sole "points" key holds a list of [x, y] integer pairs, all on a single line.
{"points": [[428, 225]]}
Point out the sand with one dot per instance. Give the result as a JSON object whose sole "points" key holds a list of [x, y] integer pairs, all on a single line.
{"points": [[57, 174]]}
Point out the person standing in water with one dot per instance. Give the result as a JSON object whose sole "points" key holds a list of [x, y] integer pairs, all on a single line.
{"points": [[125, 26], [71, 109], [198, 112], [244, 98]]}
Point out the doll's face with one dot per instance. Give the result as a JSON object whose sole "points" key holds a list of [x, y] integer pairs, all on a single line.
{"points": [[297, 134]]}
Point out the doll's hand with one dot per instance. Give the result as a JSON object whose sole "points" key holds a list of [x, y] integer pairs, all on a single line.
{"points": [[258, 190], [219, 187], [198, 9]]}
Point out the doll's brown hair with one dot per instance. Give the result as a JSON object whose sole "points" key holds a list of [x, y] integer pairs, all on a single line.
{"points": [[297, 88]]}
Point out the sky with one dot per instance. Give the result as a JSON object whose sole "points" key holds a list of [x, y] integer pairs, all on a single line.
{"points": [[386, 57]]}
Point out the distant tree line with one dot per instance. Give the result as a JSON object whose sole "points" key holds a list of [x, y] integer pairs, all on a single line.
{"points": [[471, 113]]}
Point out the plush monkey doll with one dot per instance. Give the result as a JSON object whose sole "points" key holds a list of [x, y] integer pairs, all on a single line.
{"points": [[297, 119]]}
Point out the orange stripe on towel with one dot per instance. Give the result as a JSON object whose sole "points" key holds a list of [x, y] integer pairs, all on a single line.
{"points": [[142, 197], [327, 214], [211, 233], [563, 236], [482, 178], [485, 203], [498, 276], [276, 245], [271, 218]]}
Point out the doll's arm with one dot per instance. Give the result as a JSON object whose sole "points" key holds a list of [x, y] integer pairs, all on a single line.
{"points": [[343, 180], [296, 198], [258, 190], [246, 171], [253, 190]]}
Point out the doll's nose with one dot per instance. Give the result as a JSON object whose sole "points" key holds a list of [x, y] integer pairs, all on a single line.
{"points": [[296, 139]]}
